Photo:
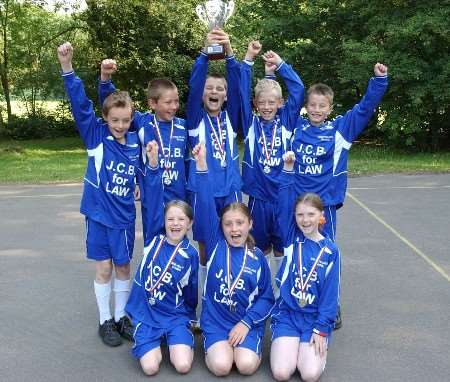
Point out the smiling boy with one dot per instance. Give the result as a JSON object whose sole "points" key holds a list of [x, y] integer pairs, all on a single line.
{"points": [[162, 126], [108, 200]]}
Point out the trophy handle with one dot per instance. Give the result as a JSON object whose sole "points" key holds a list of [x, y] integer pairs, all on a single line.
{"points": [[201, 13], [230, 10]]}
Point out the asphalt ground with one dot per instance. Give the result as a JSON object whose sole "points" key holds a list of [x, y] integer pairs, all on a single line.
{"points": [[393, 233]]}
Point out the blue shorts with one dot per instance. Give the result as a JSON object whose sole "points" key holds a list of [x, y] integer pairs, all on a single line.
{"points": [[253, 341], [287, 323], [103, 243], [330, 226], [265, 229], [147, 338], [221, 202]]}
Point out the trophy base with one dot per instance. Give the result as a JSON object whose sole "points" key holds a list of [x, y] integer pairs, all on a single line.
{"points": [[215, 52]]}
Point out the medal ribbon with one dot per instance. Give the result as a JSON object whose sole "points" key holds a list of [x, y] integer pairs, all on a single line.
{"points": [[158, 133], [218, 138], [300, 266], [266, 151], [166, 269], [236, 280]]}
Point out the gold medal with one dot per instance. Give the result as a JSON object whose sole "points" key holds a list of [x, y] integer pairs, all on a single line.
{"points": [[304, 283]]}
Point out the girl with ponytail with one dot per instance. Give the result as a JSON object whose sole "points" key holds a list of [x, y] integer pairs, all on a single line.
{"points": [[308, 280]]}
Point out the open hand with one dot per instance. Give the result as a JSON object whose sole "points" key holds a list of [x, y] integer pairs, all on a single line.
{"points": [[237, 334], [319, 343]]}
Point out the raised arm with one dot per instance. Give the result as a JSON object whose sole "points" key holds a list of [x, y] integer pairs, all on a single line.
{"points": [[245, 86], [196, 87], [352, 123], [205, 215], [286, 200], [153, 195], [82, 108], [233, 75], [105, 86]]}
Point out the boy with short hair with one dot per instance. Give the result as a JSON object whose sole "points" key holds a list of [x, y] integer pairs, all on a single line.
{"points": [[163, 127], [321, 147], [108, 201], [267, 137], [213, 118]]}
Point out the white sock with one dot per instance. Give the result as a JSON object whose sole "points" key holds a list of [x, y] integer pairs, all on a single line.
{"points": [[276, 264], [121, 293], [103, 294], [201, 284]]}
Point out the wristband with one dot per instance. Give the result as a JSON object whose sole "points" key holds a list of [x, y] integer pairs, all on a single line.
{"points": [[322, 334]]}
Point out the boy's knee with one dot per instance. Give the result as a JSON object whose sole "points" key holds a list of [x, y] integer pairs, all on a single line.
{"points": [[123, 271], [103, 271]]}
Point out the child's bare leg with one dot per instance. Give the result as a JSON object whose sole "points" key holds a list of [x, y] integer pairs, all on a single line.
{"points": [[247, 361], [181, 357], [150, 361], [219, 358], [283, 357], [310, 364]]}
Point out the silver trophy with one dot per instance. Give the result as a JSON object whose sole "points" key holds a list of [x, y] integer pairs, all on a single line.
{"points": [[215, 13]]}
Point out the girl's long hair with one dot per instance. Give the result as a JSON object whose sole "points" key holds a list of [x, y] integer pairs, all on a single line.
{"points": [[241, 207]]}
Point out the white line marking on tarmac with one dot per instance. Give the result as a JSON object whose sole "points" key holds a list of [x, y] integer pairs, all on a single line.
{"points": [[399, 188], [416, 250]]}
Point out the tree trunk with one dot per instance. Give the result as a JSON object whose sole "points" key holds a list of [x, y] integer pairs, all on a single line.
{"points": [[5, 86]]}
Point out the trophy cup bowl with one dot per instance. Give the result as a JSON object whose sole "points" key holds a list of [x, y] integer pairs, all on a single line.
{"points": [[214, 14]]}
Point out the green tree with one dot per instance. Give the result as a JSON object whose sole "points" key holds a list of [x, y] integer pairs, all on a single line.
{"points": [[148, 39], [338, 43]]}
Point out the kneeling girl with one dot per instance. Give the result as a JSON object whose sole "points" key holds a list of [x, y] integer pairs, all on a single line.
{"points": [[304, 314], [163, 298], [237, 296]]}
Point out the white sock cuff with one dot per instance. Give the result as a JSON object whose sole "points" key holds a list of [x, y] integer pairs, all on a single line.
{"points": [[121, 285], [102, 290], [278, 259]]}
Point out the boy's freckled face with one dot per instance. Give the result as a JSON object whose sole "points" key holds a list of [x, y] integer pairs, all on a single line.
{"points": [[318, 108], [166, 106], [267, 104], [119, 121], [214, 95]]}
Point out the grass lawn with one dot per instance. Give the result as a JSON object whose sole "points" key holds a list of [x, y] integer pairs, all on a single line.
{"points": [[64, 160], [42, 161]]}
